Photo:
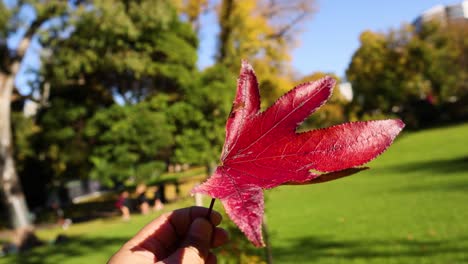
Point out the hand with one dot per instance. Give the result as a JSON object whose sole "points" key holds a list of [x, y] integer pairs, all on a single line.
{"points": [[181, 236]]}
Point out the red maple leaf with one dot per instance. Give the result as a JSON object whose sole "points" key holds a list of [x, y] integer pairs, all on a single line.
{"points": [[262, 149]]}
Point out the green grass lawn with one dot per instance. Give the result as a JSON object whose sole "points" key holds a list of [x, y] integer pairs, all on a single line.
{"points": [[411, 207]]}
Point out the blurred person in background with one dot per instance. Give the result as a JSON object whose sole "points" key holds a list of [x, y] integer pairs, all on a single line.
{"points": [[158, 199], [142, 200], [123, 204]]}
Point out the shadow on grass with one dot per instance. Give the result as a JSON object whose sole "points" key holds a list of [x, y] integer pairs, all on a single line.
{"points": [[309, 249], [452, 172], [445, 166], [72, 247], [459, 164]]}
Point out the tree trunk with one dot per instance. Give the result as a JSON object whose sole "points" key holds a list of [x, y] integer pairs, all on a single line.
{"points": [[225, 17], [10, 186]]}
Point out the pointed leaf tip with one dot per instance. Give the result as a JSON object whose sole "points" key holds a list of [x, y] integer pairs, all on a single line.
{"points": [[399, 123], [246, 66], [329, 80]]}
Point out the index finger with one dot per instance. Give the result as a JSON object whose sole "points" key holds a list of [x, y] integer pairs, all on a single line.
{"points": [[171, 227], [181, 219]]}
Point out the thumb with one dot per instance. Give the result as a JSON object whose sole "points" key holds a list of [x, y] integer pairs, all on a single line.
{"points": [[196, 246]]}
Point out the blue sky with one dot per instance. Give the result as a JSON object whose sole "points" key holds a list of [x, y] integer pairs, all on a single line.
{"points": [[329, 39]]}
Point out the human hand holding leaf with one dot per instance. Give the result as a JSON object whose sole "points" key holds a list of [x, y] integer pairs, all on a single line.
{"points": [[262, 149]]}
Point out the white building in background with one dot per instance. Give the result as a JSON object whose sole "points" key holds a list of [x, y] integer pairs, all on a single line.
{"points": [[443, 14], [30, 108], [346, 89]]}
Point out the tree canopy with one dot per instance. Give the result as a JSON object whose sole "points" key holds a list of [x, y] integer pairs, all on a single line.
{"points": [[128, 49], [116, 67], [130, 141], [418, 75], [265, 33]]}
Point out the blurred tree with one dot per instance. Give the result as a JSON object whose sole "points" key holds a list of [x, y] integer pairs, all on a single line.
{"points": [[201, 118], [191, 10], [124, 49], [386, 72], [24, 130], [264, 32], [449, 72], [122, 52], [408, 73], [367, 72], [13, 22], [130, 141], [61, 144]]}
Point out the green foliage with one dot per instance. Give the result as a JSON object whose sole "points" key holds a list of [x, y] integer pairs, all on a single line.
{"points": [[137, 53], [132, 49], [60, 143], [371, 80], [4, 20], [24, 130], [130, 141], [201, 117], [413, 74]]}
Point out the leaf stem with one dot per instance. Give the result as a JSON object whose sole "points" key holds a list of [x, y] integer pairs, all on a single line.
{"points": [[210, 209]]}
